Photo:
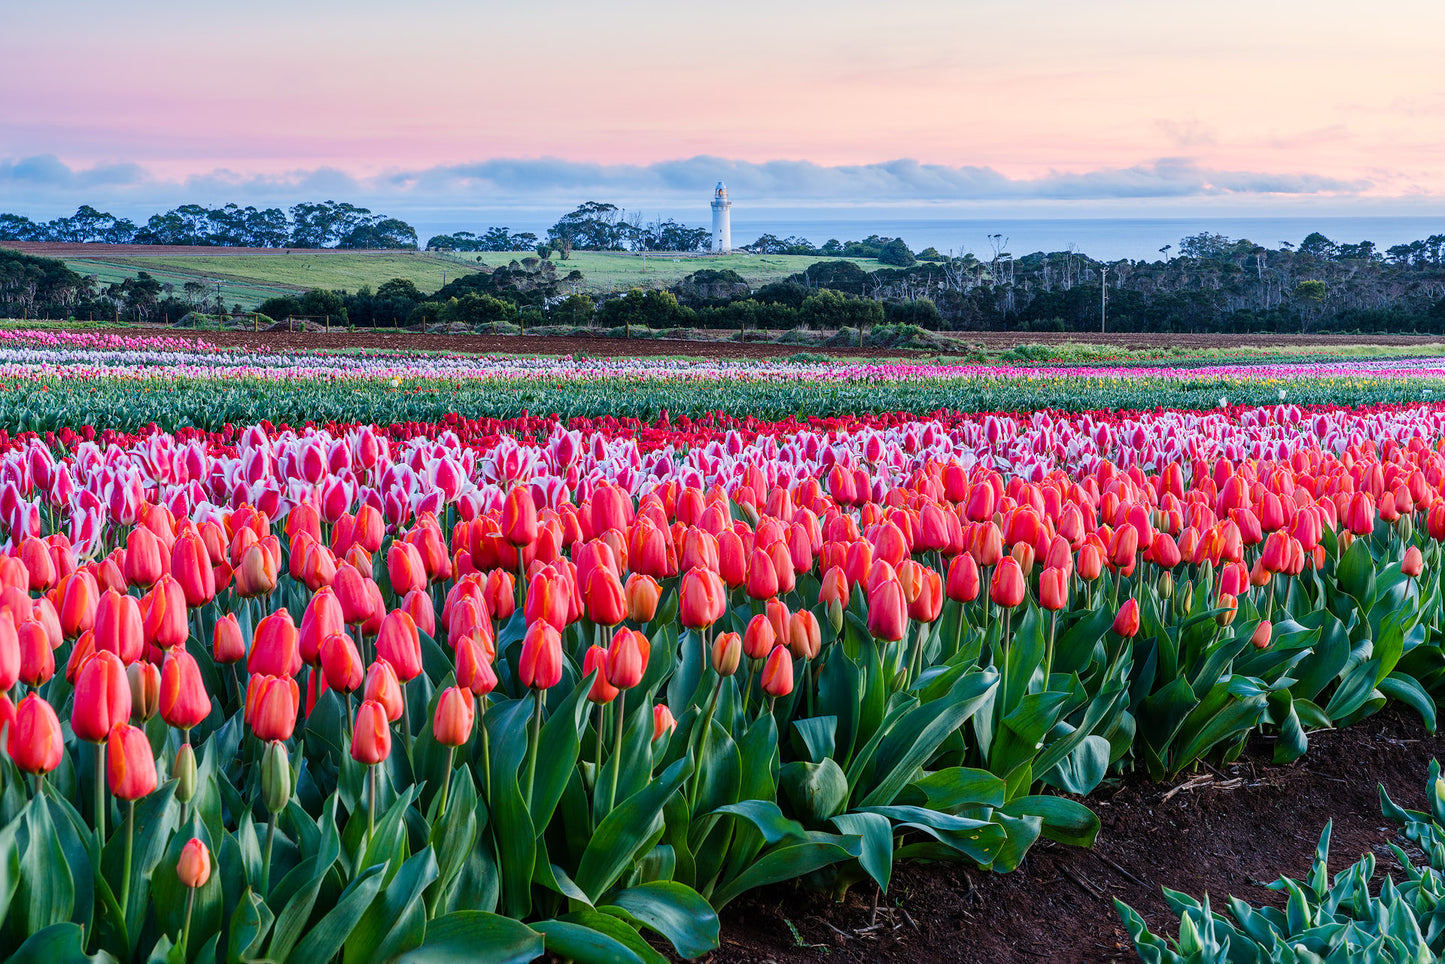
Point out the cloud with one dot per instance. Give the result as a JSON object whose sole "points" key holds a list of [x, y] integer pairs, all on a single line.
{"points": [[42, 185]]}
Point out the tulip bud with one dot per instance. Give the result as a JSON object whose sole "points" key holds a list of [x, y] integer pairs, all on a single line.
{"points": [[226, 643], [102, 697], [1406, 526], [1263, 635], [1230, 605], [130, 767], [540, 665], [777, 676], [383, 687], [602, 691], [454, 717], [341, 663], [1166, 585], [35, 738], [663, 722], [185, 773], [1413, 564], [1007, 586], [643, 594], [627, 658], [183, 699], [275, 777], [371, 737], [1126, 621], [805, 635], [194, 867], [727, 651], [759, 638], [400, 645]]}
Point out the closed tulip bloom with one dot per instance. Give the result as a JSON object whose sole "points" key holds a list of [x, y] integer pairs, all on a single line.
{"points": [[353, 594], [322, 618], [419, 606], [547, 599], [663, 722], [455, 715], [119, 628], [604, 596], [130, 767], [887, 610], [164, 617], [39, 564], [143, 561], [1007, 587], [79, 596], [1091, 563], [500, 594], [1126, 621], [404, 567], [1413, 564], [257, 573], [271, 706], [732, 559], [400, 645], [35, 742], [275, 646], [474, 671], [1054, 589], [928, 603], [371, 737], [627, 658], [191, 567], [805, 636], [602, 691], [184, 702], [759, 638], [383, 687], [519, 516], [1360, 516], [1230, 606], [194, 866], [702, 600], [145, 689], [341, 663], [37, 659], [227, 646], [777, 675], [963, 579], [643, 594], [727, 652], [540, 666], [102, 697], [9, 652], [762, 581], [1276, 554], [1263, 635]]}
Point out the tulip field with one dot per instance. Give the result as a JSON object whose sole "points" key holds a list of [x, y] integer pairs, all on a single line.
{"points": [[408, 657]]}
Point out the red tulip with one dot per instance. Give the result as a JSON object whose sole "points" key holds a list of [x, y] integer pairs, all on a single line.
{"points": [[602, 691], [1263, 635], [927, 604], [226, 643], [383, 687], [145, 689], [79, 596], [118, 626], [474, 672], [322, 619], [271, 706], [35, 554], [371, 737], [702, 600], [1413, 564], [164, 617], [759, 638], [548, 599], [399, 644], [455, 714], [727, 652], [963, 578], [762, 581], [257, 573], [887, 610], [663, 722], [805, 635], [341, 663], [1007, 587], [9, 652], [627, 658], [1126, 621], [604, 596], [102, 697], [191, 567], [500, 594], [194, 866], [275, 646], [130, 767], [519, 516], [143, 562], [1054, 589], [37, 658], [405, 568], [777, 676], [540, 666], [35, 742], [353, 594], [184, 702]]}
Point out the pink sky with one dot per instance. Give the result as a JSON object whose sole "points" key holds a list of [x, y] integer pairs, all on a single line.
{"points": [[1335, 90]]}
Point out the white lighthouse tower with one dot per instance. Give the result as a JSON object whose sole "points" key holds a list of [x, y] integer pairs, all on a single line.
{"points": [[722, 228]]}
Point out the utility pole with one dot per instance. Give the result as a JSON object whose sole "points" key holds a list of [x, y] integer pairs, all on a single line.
{"points": [[1103, 297]]}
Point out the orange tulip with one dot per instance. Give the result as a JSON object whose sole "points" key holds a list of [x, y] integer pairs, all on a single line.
{"points": [[35, 742], [663, 722], [454, 718], [102, 697], [1054, 589], [194, 866], [474, 672], [341, 663], [191, 567], [371, 737], [130, 767], [271, 706], [519, 516], [540, 666], [805, 635], [79, 596], [627, 658], [257, 573], [727, 651], [143, 562], [759, 638], [400, 645], [383, 687], [404, 567], [643, 594], [226, 643], [1126, 621], [602, 691], [777, 676], [606, 601], [702, 600], [184, 702], [275, 646]]}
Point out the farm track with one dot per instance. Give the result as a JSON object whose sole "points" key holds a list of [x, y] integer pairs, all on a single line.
{"points": [[1217, 836], [405, 339]]}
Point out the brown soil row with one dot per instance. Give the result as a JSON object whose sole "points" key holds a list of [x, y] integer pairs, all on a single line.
{"points": [[649, 348], [1223, 837]]}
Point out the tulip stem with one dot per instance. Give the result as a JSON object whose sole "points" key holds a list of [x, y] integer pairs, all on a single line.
{"points": [[100, 793], [702, 745], [1049, 653], [617, 748], [532, 745], [486, 750], [370, 803], [125, 867], [266, 858], [186, 930], [446, 783]]}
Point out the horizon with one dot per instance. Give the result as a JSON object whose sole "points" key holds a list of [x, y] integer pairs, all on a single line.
{"points": [[824, 108]]}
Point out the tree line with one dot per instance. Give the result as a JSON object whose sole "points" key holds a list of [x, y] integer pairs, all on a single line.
{"points": [[310, 224]]}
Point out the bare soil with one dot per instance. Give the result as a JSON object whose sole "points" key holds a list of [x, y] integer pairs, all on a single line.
{"points": [[1216, 832], [408, 339]]}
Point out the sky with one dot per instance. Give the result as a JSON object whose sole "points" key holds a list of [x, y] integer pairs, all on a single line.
{"points": [[1050, 108]]}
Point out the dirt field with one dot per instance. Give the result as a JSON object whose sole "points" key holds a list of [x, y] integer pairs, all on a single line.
{"points": [[1240, 829], [640, 348]]}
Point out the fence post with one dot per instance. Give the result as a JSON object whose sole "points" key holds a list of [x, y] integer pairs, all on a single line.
{"points": [[256, 321], [328, 324]]}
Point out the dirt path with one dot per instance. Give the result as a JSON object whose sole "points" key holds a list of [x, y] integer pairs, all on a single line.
{"points": [[1058, 906]]}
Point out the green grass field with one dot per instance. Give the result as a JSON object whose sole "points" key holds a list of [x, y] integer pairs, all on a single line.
{"points": [[249, 280]]}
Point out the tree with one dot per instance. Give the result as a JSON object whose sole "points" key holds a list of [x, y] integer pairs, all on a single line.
{"points": [[896, 253], [1319, 246], [574, 310], [593, 225], [1311, 294]]}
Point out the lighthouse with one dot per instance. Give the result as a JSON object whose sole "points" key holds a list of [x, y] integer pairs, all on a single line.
{"points": [[722, 229]]}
